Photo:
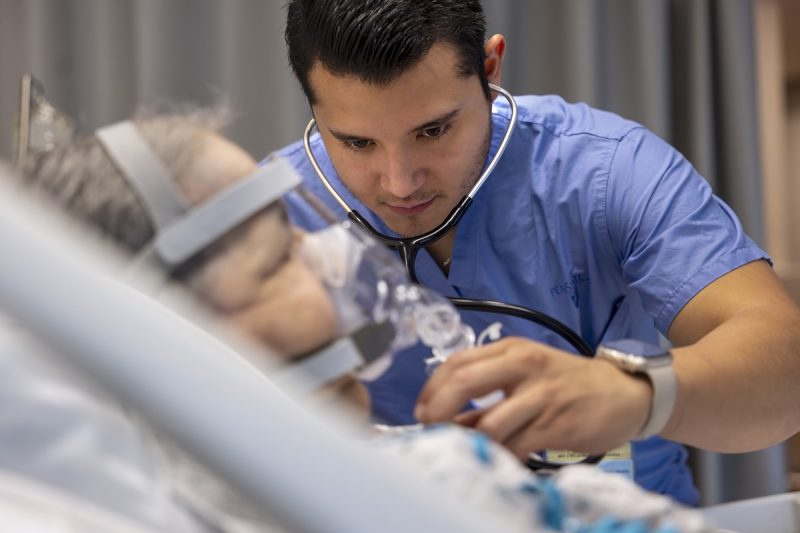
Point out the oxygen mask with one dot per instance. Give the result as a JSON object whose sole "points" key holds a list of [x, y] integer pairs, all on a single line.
{"points": [[369, 284]]}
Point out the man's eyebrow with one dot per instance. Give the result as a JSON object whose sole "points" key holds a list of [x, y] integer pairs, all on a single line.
{"points": [[441, 119], [342, 136]]}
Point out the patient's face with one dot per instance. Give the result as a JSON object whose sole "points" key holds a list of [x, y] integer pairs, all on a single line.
{"points": [[253, 277]]}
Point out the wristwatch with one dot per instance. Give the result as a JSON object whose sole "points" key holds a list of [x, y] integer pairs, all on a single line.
{"points": [[654, 362]]}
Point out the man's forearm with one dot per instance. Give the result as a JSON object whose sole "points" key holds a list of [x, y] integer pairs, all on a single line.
{"points": [[739, 386]]}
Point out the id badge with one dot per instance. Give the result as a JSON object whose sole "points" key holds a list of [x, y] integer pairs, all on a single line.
{"points": [[616, 461]]}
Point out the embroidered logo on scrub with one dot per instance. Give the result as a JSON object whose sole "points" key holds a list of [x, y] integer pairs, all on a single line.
{"points": [[570, 288]]}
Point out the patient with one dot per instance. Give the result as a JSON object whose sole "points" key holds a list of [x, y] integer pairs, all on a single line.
{"points": [[249, 275]]}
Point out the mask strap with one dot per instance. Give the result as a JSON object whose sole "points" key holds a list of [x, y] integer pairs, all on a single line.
{"points": [[180, 231], [206, 223], [144, 171], [368, 346]]}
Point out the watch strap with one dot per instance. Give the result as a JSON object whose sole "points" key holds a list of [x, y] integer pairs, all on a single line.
{"points": [[654, 362], [665, 390]]}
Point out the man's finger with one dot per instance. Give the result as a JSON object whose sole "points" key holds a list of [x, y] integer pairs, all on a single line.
{"points": [[512, 414], [442, 399], [470, 418]]}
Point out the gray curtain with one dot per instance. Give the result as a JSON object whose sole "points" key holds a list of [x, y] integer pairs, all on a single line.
{"points": [[100, 60], [683, 68]]}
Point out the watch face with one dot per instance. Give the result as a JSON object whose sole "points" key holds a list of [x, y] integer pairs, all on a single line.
{"points": [[634, 355], [637, 347]]}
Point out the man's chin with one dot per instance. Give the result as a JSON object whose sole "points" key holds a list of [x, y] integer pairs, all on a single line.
{"points": [[411, 229]]}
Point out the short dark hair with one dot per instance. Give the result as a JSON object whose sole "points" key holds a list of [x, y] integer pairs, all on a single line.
{"points": [[377, 40]]}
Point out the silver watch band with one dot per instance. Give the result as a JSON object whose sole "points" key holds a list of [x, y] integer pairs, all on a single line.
{"points": [[665, 390]]}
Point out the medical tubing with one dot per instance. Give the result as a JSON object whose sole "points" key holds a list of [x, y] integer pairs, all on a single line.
{"points": [[564, 331]]}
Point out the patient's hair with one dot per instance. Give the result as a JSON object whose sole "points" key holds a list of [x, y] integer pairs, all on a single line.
{"points": [[82, 178], [376, 41]]}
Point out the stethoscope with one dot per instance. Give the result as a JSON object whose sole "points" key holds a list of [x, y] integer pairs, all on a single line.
{"points": [[408, 247]]}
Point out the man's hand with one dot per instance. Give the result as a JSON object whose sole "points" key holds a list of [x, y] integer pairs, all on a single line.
{"points": [[553, 399]]}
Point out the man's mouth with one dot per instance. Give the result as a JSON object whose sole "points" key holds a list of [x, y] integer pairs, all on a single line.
{"points": [[411, 208]]}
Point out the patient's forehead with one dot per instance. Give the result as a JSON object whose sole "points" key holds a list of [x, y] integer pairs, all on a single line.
{"points": [[216, 164], [261, 243]]}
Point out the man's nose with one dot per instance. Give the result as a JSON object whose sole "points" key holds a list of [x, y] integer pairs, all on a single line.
{"points": [[400, 177]]}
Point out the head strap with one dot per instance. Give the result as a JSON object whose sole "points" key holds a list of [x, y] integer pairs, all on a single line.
{"points": [[203, 225], [181, 232], [144, 171]]}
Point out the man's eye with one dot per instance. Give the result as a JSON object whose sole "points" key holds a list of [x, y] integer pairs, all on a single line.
{"points": [[434, 132], [357, 144]]}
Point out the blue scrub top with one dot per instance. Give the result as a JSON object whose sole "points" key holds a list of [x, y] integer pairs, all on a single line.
{"points": [[589, 218]]}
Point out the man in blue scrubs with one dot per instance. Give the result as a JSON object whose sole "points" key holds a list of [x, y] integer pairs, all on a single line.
{"points": [[588, 217]]}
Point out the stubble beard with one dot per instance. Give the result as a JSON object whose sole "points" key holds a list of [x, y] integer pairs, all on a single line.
{"points": [[414, 225]]}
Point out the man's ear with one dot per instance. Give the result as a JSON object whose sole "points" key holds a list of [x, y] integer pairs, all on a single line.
{"points": [[494, 50]]}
